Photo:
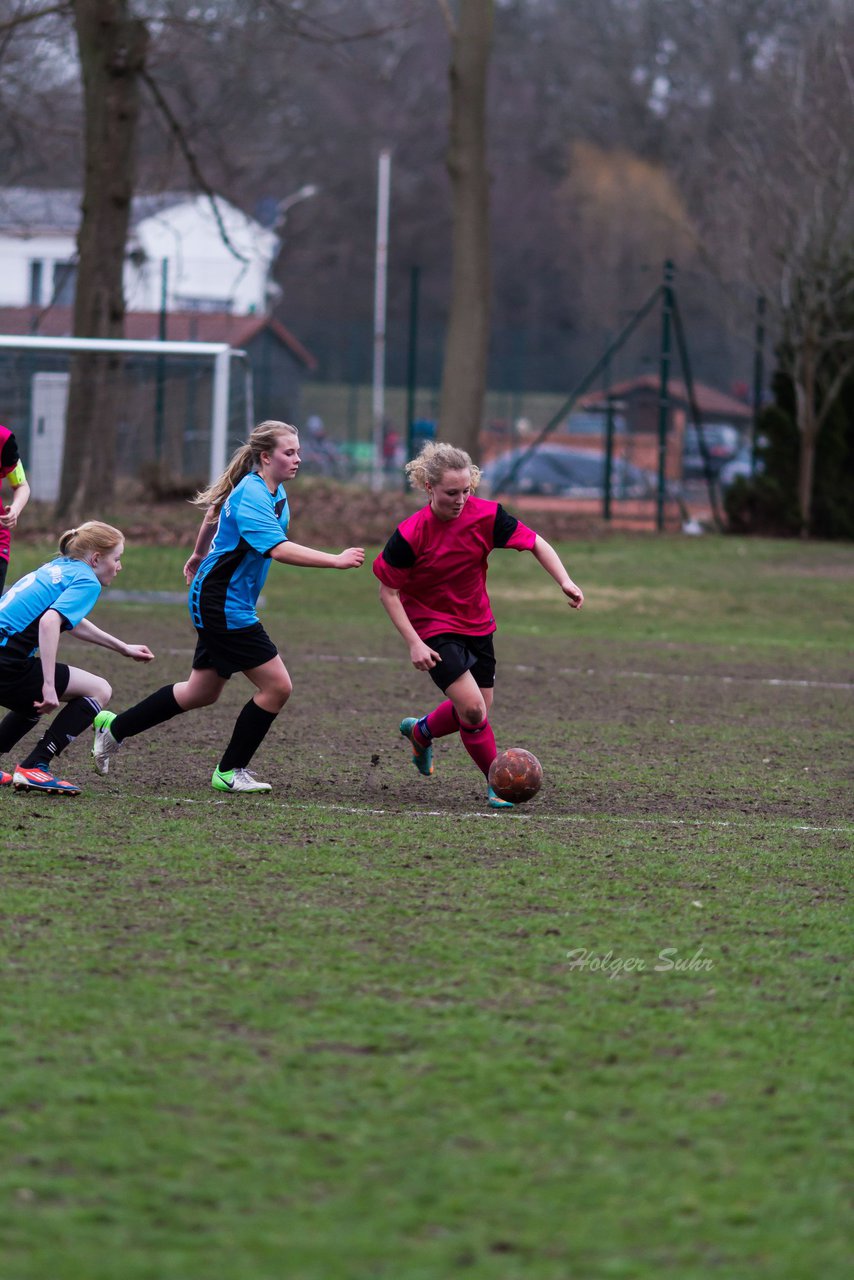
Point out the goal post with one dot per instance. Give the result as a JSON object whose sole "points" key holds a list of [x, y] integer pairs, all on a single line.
{"points": [[183, 405]]}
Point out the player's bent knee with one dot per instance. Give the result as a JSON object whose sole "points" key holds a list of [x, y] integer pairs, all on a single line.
{"points": [[102, 692], [472, 715]]}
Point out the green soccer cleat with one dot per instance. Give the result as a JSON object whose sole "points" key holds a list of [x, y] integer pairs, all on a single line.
{"points": [[237, 780], [105, 744], [495, 802], [422, 757]]}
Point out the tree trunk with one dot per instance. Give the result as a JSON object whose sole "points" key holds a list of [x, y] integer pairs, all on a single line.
{"points": [[467, 341], [112, 45]]}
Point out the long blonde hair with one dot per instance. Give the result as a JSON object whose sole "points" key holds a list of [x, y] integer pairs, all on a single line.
{"points": [[434, 460], [263, 439], [88, 538]]}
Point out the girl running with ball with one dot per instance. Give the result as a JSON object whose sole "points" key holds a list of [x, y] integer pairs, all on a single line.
{"points": [[33, 613], [432, 575], [245, 528]]}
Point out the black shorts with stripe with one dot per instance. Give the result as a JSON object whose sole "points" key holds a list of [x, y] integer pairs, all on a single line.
{"points": [[228, 652]]}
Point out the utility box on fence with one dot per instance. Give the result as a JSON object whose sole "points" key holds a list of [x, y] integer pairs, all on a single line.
{"points": [[47, 435]]}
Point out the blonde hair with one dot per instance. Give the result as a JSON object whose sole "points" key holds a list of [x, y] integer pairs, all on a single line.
{"points": [[88, 538], [262, 439], [434, 460]]}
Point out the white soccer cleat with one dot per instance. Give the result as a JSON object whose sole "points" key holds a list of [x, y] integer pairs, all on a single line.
{"points": [[105, 744], [237, 780]]}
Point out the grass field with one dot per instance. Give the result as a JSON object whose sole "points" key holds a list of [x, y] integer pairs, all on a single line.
{"points": [[364, 1028]]}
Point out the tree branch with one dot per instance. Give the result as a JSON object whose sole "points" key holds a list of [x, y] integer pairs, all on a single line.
{"points": [[445, 7], [192, 162], [22, 18]]}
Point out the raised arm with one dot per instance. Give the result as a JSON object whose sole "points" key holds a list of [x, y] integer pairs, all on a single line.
{"points": [[423, 657], [545, 553], [308, 558]]}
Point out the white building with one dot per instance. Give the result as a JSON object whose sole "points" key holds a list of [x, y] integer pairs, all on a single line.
{"points": [[38, 245]]}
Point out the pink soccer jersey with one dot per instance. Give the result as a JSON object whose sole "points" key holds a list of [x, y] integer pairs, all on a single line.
{"points": [[439, 566]]}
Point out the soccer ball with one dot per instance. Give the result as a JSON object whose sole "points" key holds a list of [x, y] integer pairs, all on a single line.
{"points": [[515, 775]]}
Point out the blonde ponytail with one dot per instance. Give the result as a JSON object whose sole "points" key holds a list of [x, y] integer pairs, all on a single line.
{"points": [[263, 439], [88, 538]]}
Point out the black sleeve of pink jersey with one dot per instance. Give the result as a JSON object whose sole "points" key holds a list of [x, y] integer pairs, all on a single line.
{"points": [[504, 528], [10, 457], [397, 552]]}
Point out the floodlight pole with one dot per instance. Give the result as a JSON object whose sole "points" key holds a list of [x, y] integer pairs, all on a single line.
{"points": [[380, 289], [412, 366]]}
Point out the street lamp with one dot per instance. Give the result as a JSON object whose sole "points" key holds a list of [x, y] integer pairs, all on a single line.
{"points": [[282, 206]]}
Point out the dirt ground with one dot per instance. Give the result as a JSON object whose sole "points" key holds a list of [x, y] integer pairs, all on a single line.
{"points": [[673, 742]]}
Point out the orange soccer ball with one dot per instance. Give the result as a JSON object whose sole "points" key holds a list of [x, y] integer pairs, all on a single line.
{"points": [[516, 775]]}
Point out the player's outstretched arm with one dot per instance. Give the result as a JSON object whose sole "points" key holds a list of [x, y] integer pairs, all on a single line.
{"points": [[204, 538], [423, 657], [308, 558], [86, 630], [545, 553]]}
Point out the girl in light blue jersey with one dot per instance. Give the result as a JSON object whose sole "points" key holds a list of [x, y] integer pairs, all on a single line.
{"points": [[33, 613], [245, 527]]}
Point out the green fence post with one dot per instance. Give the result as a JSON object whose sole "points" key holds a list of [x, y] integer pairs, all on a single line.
{"points": [[664, 391]]}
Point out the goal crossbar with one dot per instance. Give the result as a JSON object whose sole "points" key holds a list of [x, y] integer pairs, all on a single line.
{"points": [[220, 352]]}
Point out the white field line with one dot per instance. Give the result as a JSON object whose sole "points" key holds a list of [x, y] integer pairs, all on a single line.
{"points": [[518, 815], [584, 671], [623, 675]]}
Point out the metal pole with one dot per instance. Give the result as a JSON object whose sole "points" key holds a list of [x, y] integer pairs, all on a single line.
{"points": [[664, 391], [412, 365], [609, 457], [219, 431], [587, 381], [380, 289], [758, 377], [160, 395]]}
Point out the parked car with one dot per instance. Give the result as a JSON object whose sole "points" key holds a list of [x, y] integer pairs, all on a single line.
{"points": [[740, 465], [722, 442], [562, 471]]}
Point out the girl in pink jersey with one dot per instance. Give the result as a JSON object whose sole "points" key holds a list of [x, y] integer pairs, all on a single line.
{"points": [[432, 574]]}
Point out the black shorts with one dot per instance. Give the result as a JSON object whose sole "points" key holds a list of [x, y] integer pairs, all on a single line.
{"points": [[21, 684], [461, 654], [231, 651]]}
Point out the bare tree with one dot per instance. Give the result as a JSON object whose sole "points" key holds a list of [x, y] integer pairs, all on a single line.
{"points": [[795, 158], [467, 342], [112, 44]]}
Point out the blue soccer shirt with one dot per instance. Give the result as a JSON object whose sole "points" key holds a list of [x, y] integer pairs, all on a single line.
{"points": [[224, 593], [68, 586]]}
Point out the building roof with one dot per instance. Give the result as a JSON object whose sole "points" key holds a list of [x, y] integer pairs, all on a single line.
{"points": [[181, 326], [711, 402], [32, 211]]}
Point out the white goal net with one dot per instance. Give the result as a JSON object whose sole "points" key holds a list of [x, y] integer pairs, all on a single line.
{"points": [[183, 406]]}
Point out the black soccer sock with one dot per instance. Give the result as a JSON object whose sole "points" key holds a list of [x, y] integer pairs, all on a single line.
{"points": [[156, 709], [12, 729], [74, 718], [249, 732]]}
